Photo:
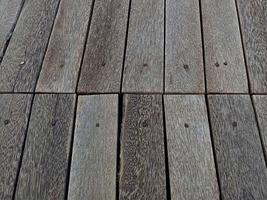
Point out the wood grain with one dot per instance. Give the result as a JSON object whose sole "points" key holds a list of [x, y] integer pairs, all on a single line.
{"points": [[102, 66], [45, 161], [191, 162], [13, 124], [93, 168], [24, 55], [241, 167], [225, 66], [143, 71], [184, 57], [253, 18], [142, 173]]}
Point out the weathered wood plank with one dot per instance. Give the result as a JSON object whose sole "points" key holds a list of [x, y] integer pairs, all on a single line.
{"points": [[191, 162], [93, 168], [253, 18], [142, 174], [13, 123], [45, 161], [102, 66], [184, 58], [241, 167], [23, 58], [143, 71], [225, 66]]}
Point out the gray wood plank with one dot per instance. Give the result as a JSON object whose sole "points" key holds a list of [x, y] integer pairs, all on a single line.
{"points": [[191, 163], [45, 161], [239, 154], [143, 71], [65, 50], [142, 173], [184, 68], [23, 58], [13, 123], [102, 66], [93, 168], [253, 18], [225, 66]]}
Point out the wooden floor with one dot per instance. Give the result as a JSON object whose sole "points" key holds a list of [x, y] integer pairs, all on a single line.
{"points": [[133, 99]]}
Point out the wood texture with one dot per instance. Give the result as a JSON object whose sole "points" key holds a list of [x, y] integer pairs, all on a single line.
{"points": [[225, 66], [253, 18], [184, 57], [143, 71], [24, 55], [191, 162], [241, 167], [13, 124], [142, 173], [102, 67], [45, 161], [93, 168]]}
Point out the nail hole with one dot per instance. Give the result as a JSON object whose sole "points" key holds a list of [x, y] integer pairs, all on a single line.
{"points": [[145, 64], [97, 125], [217, 64], [53, 122], [186, 125], [186, 67], [7, 121], [103, 64], [61, 66], [234, 124], [225, 63]]}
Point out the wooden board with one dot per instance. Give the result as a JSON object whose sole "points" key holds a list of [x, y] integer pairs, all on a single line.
{"points": [[143, 71], [253, 18], [93, 168], [191, 162], [45, 161], [13, 124], [241, 167], [102, 66], [23, 58], [142, 173], [225, 66], [184, 68]]}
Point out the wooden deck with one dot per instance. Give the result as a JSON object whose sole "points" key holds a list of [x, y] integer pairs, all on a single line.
{"points": [[133, 99]]}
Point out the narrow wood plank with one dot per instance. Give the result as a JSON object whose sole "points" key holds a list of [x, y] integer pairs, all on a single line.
{"points": [[241, 167], [184, 57], [253, 18], [65, 50], [93, 168], [191, 162], [24, 55], [225, 66], [143, 71], [102, 67], [45, 161], [13, 123], [142, 173]]}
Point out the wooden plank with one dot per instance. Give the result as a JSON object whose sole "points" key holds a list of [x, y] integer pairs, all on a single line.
{"points": [[241, 167], [143, 71], [253, 18], [184, 57], [45, 161], [93, 168], [225, 66], [142, 173], [13, 124], [191, 162], [102, 67], [65, 50], [24, 55]]}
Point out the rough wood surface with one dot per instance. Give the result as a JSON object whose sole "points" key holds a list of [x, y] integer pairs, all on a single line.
{"points": [[241, 167], [24, 55], [45, 161], [191, 162], [13, 123], [225, 66], [102, 66], [184, 58], [143, 71], [142, 173], [93, 168]]}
